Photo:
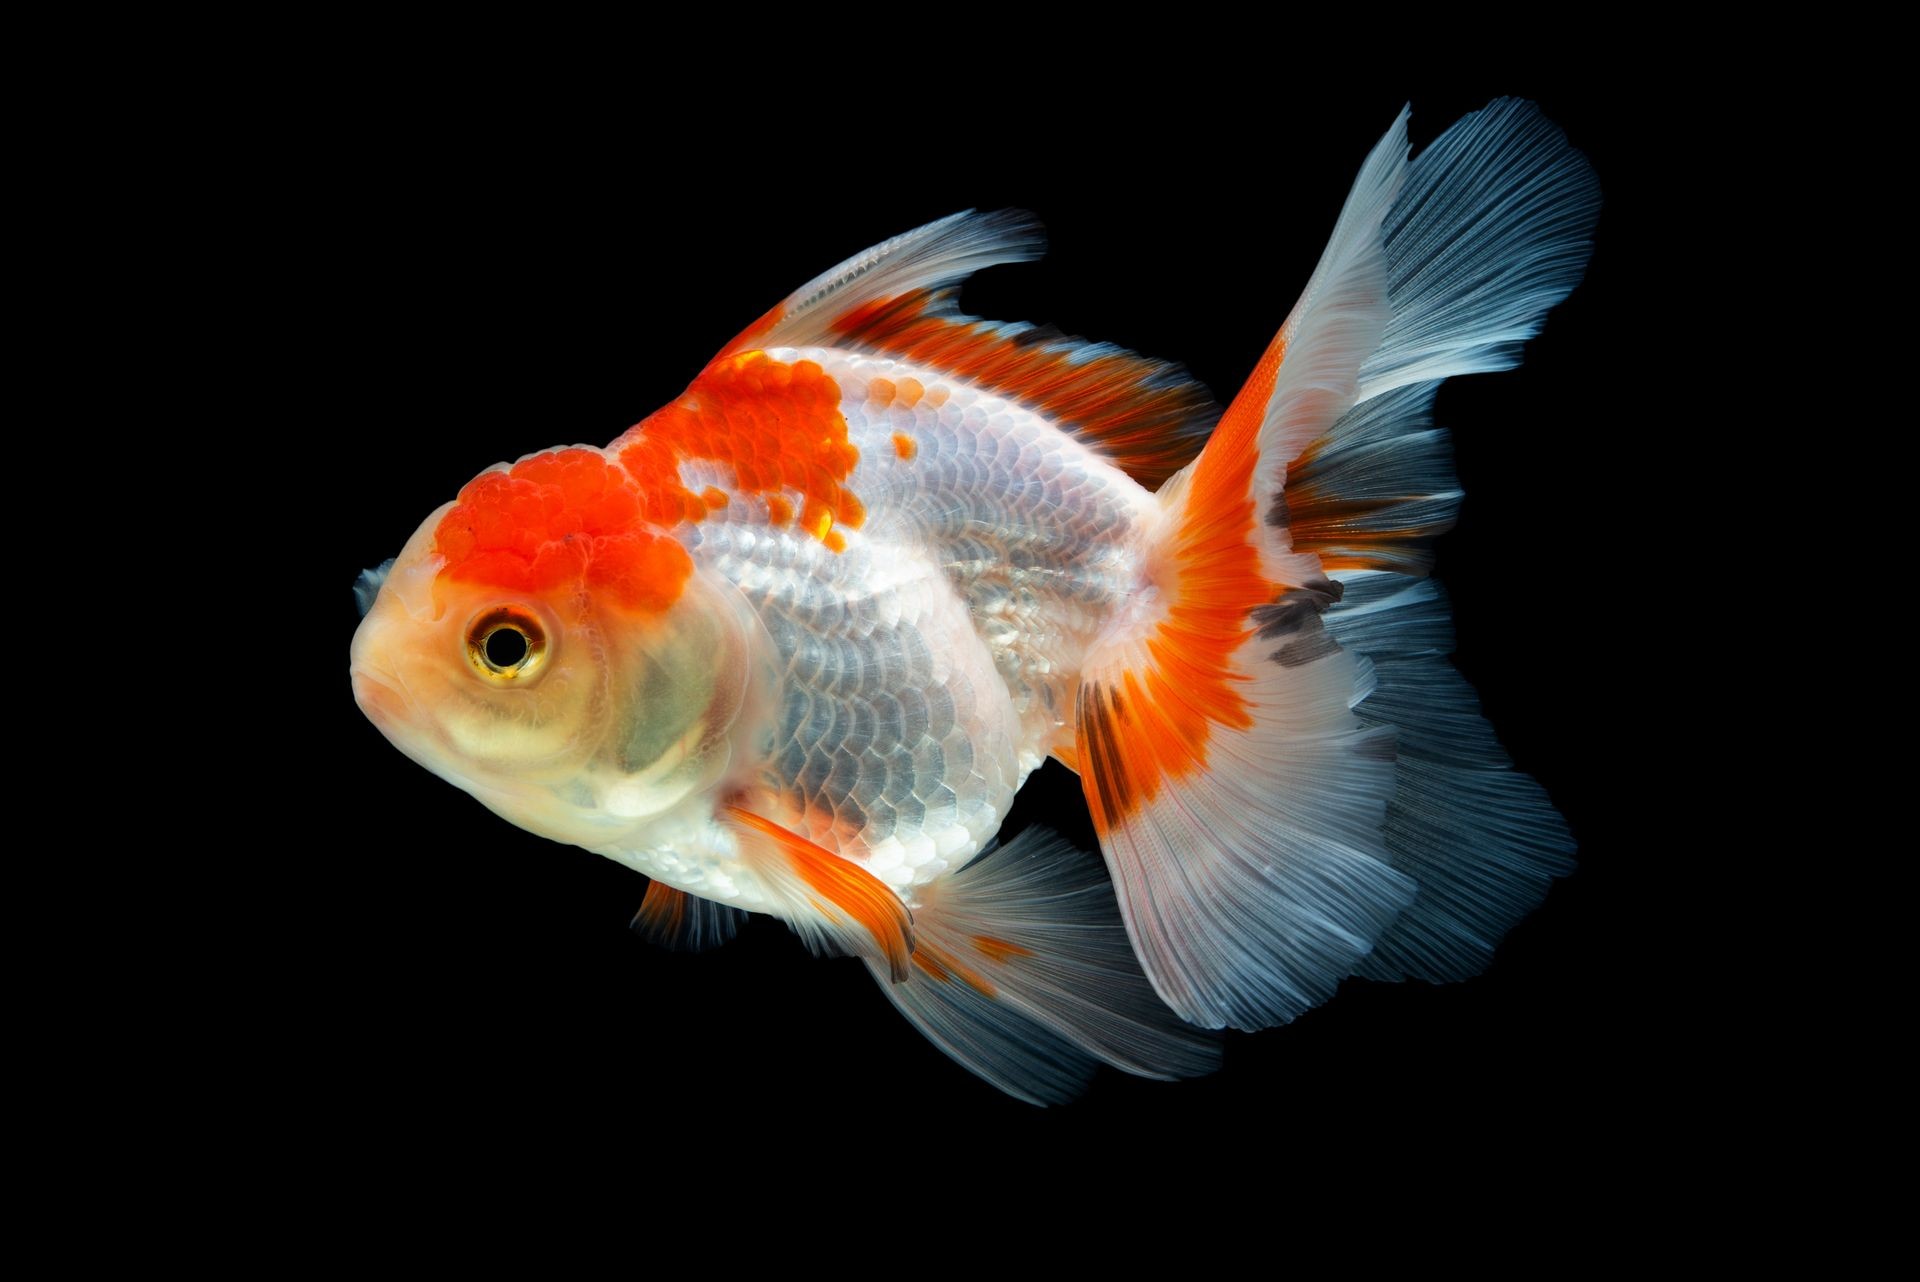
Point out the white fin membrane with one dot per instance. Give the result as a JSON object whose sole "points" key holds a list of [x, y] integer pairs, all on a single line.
{"points": [[932, 257], [684, 922], [1493, 226], [1480, 838], [1023, 975], [1307, 850]]}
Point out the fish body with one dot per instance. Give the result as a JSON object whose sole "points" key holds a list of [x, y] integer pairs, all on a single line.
{"points": [[793, 643]]}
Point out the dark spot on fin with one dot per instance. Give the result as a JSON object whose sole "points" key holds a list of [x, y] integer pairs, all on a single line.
{"points": [[1315, 645], [1295, 608], [1103, 754], [1039, 334]]}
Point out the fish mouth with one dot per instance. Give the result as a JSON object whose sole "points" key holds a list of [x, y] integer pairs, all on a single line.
{"points": [[383, 700]]}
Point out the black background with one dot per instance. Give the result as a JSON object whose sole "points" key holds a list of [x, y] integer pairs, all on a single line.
{"points": [[520, 277]]}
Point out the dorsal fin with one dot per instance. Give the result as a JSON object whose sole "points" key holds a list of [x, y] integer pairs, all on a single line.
{"points": [[897, 299], [927, 258]]}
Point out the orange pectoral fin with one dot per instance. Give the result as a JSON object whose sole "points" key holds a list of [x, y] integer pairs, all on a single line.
{"points": [[840, 890]]}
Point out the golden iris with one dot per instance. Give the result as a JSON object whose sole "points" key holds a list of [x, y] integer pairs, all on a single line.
{"points": [[506, 644]]}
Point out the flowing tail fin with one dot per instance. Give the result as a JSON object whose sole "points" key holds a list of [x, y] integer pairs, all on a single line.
{"points": [[1290, 783]]}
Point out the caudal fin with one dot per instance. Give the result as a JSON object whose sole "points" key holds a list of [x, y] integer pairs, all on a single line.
{"points": [[1237, 742]]}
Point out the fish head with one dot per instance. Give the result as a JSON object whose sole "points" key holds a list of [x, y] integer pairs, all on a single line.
{"points": [[544, 645]]}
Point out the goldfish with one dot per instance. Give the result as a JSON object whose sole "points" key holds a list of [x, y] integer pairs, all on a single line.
{"points": [[793, 643]]}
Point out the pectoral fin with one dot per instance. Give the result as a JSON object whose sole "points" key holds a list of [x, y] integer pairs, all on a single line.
{"points": [[834, 904]]}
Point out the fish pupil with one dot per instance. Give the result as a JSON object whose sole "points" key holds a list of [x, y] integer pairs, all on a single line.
{"points": [[506, 647]]}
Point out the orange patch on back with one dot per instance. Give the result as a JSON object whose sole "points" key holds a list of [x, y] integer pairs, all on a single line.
{"points": [[1146, 726], [903, 445], [778, 426], [1134, 407], [560, 518], [571, 516], [845, 886]]}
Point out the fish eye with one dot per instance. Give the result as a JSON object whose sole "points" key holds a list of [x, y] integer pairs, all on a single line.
{"points": [[506, 644]]}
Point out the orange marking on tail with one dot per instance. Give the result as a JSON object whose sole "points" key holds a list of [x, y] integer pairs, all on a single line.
{"points": [[945, 967], [778, 426], [1344, 532], [845, 885], [999, 949], [1156, 724], [560, 518], [903, 445]]}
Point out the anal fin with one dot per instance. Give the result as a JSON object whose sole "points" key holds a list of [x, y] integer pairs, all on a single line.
{"points": [[1023, 975]]}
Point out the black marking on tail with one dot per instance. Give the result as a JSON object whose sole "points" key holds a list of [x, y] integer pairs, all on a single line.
{"points": [[1315, 645], [1103, 753], [1296, 615], [1295, 608]]}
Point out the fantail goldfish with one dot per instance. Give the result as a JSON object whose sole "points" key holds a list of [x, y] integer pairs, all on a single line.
{"points": [[792, 643]]}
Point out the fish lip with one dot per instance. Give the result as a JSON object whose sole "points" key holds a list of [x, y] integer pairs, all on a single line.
{"points": [[383, 699]]}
